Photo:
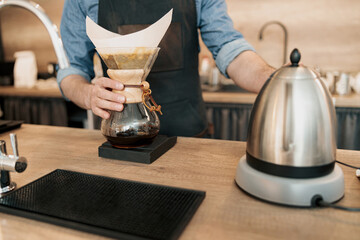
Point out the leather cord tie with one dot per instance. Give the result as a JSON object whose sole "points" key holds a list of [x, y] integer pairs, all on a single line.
{"points": [[155, 107], [132, 86], [145, 87]]}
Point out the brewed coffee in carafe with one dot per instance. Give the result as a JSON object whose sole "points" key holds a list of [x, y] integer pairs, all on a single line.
{"points": [[138, 123]]}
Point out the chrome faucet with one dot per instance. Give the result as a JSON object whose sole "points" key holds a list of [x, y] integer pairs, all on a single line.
{"points": [[285, 35], [10, 163], [50, 27]]}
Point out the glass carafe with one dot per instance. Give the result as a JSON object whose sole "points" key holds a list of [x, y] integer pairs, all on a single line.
{"points": [[138, 123]]}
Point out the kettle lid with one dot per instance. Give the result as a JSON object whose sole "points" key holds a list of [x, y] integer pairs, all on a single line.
{"points": [[295, 70]]}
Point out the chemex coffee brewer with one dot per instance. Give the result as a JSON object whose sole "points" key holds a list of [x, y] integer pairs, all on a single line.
{"points": [[138, 123], [129, 59]]}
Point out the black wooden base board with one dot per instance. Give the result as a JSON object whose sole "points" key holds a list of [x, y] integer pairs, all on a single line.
{"points": [[146, 154]]}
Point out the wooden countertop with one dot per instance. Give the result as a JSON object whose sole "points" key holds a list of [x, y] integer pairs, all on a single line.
{"points": [[30, 92], [352, 100], [201, 164], [229, 97]]}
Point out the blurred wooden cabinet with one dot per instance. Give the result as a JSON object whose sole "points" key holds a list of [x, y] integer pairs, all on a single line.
{"points": [[35, 106], [230, 120]]}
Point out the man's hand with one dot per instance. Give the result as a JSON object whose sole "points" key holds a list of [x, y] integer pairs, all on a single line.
{"points": [[103, 99], [97, 96]]}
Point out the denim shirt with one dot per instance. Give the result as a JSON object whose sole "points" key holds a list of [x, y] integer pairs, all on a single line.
{"points": [[216, 28]]}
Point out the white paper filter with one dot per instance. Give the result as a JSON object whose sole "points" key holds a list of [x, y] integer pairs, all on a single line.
{"points": [[148, 37]]}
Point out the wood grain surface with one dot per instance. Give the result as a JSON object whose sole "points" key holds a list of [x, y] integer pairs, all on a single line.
{"points": [[201, 164], [352, 100], [30, 92]]}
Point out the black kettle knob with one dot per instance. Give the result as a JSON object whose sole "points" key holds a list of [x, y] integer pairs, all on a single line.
{"points": [[295, 57]]}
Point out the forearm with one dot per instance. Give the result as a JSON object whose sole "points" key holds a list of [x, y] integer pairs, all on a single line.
{"points": [[97, 96], [77, 89], [249, 71]]}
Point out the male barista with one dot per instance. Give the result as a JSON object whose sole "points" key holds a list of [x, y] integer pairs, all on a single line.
{"points": [[174, 79]]}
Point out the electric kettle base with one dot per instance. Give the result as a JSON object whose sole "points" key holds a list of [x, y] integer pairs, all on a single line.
{"points": [[289, 191]]}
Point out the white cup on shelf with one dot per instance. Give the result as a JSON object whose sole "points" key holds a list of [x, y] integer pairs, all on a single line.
{"points": [[25, 69], [343, 85], [355, 83]]}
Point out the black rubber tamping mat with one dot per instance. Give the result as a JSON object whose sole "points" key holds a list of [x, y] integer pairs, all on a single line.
{"points": [[147, 154], [106, 206]]}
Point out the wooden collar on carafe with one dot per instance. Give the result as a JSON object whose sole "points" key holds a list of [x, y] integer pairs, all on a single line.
{"points": [[135, 90]]}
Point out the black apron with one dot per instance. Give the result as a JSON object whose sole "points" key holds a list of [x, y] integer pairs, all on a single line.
{"points": [[174, 79]]}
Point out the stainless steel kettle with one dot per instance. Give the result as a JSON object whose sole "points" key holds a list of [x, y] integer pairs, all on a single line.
{"points": [[292, 129]]}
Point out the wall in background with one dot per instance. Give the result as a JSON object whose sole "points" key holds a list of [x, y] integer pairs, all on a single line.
{"points": [[21, 30], [1, 48], [326, 31]]}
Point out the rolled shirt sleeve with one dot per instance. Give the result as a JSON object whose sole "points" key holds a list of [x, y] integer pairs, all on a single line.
{"points": [[78, 47], [216, 28], [218, 33]]}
